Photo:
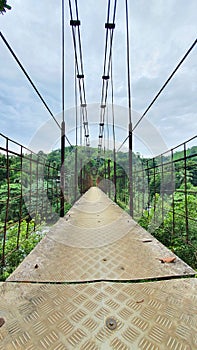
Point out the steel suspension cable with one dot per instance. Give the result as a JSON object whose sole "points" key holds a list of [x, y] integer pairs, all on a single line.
{"points": [[111, 38], [28, 77], [79, 64], [80, 50], [163, 87], [76, 7], [130, 136], [128, 61], [76, 113], [32, 83], [63, 73], [77, 68], [106, 69], [165, 84], [63, 61], [105, 54], [109, 62], [76, 135], [113, 115], [122, 144]]}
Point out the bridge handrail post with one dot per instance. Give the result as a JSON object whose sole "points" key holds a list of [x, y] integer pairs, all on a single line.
{"points": [[62, 172], [130, 170]]}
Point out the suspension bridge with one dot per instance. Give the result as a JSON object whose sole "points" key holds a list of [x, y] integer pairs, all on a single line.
{"points": [[97, 279]]}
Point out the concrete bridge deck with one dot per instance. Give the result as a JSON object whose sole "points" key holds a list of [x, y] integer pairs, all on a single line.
{"points": [[86, 286]]}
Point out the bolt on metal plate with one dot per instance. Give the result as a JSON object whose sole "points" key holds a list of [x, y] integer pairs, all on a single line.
{"points": [[111, 323], [2, 321]]}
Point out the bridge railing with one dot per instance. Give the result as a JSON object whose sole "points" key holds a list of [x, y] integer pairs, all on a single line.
{"points": [[29, 194], [165, 198]]}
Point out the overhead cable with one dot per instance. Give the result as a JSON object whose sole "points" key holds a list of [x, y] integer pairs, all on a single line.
{"points": [[128, 62], [109, 26], [31, 82], [167, 81], [28, 77], [63, 60], [113, 114], [113, 129], [75, 24], [122, 144]]}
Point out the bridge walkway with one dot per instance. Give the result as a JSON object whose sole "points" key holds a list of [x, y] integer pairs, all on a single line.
{"points": [[98, 280]]}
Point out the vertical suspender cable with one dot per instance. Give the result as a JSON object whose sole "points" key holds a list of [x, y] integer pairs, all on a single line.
{"points": [[63, 65], [113, 130], [105, 55], [104, 139], [130, 121], [62, 172], [80, 73], [81, 155], [106, 69], [128, 62], [107, 119], [76, 135]]}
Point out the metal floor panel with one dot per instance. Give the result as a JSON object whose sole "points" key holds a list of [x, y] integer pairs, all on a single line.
{"points": [[97, 240], [146, 316]]}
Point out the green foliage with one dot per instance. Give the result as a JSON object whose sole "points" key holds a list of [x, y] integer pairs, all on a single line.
{"points": [[45, 177], [14, 255], [123, 206], [4, 6], [28, 189], [17, 206], [172, 231]]}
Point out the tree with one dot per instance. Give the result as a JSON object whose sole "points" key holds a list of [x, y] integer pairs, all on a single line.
{"points": [[4, 6]]}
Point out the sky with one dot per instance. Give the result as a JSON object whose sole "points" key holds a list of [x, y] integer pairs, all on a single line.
{"points": [[161, 31]]}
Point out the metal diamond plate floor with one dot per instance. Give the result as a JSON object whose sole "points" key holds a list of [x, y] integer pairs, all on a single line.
{"points": [[146, 316], [97, 240], [71, 291]]}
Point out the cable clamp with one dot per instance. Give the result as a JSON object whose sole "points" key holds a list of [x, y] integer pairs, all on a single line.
{"points": [[75, 22], [105, 77], [80, 76], [109, 25]]}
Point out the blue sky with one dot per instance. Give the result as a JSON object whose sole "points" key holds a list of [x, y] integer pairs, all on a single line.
{"points": [[161, 31]]}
